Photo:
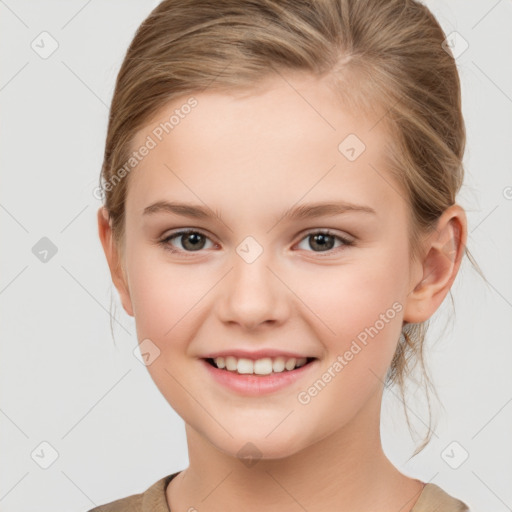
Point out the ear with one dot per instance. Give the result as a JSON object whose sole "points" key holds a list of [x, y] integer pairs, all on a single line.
{"points": [[114, 260], [442, 256]]}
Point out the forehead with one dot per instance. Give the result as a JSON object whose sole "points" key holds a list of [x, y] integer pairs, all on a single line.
{"points": [[289, 136], [286, 101]]}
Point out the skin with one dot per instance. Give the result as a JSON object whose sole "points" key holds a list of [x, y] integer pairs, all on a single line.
{"points": [[250, 157]]}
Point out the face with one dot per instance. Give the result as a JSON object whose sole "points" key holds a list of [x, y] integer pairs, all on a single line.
{"points": [[251, 278]]}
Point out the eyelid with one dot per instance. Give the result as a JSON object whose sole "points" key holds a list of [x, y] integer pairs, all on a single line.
{"points": [[345, 237]]}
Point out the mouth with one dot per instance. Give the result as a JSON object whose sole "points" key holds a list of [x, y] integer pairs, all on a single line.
{"points": [[259, 367], [259, 377]]}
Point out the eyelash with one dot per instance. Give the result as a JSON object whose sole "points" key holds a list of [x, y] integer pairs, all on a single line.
{"points": [[166, 245]]}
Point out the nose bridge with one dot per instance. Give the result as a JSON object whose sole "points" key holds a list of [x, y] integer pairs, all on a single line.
{"points": [[252, 294]]}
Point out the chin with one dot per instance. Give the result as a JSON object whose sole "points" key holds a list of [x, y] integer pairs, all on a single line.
{"points": [[252, 448]]}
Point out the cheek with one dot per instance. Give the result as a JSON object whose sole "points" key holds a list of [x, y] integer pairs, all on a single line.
{"points": [[359, 312], [167, 304], [363, 311], [165, 296]]}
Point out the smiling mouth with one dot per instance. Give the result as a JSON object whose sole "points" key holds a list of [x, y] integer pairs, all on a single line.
{"points": [[265, 366]]}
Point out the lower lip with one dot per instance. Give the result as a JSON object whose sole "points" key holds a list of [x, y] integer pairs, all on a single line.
{"points": [[256, 385]]}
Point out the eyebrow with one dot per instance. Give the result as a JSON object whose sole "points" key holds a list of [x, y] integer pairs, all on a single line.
{"points": [[303, 211]]}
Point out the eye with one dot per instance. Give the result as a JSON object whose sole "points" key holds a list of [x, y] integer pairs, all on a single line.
{"points": [[191, 241], [325, 240]]}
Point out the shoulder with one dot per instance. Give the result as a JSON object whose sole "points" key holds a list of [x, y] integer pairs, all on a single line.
{"points": [[152, 499], [129, 504], [433, 499]]}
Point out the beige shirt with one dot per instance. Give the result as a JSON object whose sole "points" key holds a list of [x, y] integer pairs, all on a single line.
{"points": [[432, 499]]}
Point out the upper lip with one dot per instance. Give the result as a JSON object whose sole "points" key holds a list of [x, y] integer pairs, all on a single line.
{"points": [[255, 354]]}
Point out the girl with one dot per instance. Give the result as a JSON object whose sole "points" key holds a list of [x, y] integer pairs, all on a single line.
{"points": [[280, 220]]}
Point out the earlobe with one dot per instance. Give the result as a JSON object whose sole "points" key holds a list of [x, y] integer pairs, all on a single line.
{"points": [[113, 259], [443, 253]]}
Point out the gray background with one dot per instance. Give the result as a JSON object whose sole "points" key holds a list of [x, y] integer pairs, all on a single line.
{"points": [[64, 381]]}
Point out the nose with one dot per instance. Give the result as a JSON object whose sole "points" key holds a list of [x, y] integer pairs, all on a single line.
{"points": [[253, 294]]}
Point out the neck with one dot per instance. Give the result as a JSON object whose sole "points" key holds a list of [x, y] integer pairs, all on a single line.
{"points": [[346, 467]]}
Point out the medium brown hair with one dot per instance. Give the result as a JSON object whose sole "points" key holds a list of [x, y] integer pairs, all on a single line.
{"points": [[388, 53]]}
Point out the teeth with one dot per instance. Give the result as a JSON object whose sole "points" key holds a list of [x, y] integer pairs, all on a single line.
{"points": [[262, 366], [290, 364], [230, 363], [278, 365]]}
